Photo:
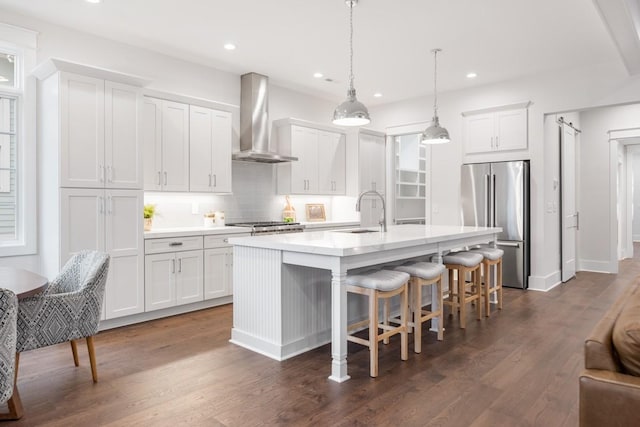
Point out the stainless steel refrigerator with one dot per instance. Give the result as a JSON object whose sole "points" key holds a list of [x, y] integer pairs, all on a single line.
{"points": [[497, 195]]}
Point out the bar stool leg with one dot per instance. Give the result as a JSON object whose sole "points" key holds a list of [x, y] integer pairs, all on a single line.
{"points": [[385, 319], [441, 305], [417, 316], [478, 288], [404, 315], [499, 283], [462, 290], [487, 285], [373, 334]]}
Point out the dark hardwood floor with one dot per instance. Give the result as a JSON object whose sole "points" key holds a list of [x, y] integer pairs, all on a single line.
{"points": [[519, 367]]}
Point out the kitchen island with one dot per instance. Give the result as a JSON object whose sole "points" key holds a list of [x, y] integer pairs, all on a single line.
{"points": [[282, 302]]}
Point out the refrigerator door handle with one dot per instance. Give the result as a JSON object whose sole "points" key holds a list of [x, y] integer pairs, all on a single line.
{"points": [[508, 244], [487, 185], [493, 201]]}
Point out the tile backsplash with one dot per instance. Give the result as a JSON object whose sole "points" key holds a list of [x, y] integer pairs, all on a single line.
{"points": [[254, 198]]}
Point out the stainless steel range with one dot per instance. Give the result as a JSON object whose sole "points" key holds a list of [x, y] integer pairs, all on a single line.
{"points": [[270, 227]]}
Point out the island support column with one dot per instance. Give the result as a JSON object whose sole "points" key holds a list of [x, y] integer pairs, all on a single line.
{"points": [[339, 325]]}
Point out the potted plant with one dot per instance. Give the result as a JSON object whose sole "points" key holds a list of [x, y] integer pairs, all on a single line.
{"points": [[148, 213]]}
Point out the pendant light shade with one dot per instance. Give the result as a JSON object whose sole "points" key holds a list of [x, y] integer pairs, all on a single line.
{"points": [[435, 134], [351, 112]]}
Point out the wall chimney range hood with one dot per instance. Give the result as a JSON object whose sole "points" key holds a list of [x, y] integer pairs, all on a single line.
{"points": [[254, 122]]}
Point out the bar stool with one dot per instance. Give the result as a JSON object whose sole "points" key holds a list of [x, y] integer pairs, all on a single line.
{"points": [[492, 256], [380, 284], [459, 296], [424, 274]]}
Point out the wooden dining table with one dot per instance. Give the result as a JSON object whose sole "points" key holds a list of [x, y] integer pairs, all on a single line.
{"points": [[24, 284]]}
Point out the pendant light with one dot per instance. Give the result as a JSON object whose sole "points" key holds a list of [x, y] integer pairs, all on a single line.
{"points": [[351, 112], [435, 134]]}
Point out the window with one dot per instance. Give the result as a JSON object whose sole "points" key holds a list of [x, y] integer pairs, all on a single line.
{"points": [[17, 142]]}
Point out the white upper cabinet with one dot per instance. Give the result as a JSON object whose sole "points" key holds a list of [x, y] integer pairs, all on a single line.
{"points": [[99, 133], [332, 163], [321, 164], [175, 146], [497, 129], [122, 149], [479, 133], [371, 162], [304, 171], [166, 145], [210, 150], [82, 131]]}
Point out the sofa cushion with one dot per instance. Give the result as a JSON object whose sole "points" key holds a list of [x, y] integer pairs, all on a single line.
{"points": [[626, 335]]}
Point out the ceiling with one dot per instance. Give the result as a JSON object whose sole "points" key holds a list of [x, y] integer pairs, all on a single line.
{"points": [[289, 40]]}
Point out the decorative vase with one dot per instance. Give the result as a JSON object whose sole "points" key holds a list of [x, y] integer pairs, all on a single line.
{"points": [[148, 222]]}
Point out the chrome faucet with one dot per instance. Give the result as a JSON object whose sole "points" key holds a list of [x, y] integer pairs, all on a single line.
{"points": [[383, 220]]}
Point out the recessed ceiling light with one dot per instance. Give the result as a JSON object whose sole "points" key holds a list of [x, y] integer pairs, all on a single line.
{"points": [[472, 75], [318, 75], [93, 1], [377, 94], [229, 46]]}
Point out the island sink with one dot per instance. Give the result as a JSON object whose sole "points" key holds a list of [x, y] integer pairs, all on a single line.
{"points": [[359, 231]]}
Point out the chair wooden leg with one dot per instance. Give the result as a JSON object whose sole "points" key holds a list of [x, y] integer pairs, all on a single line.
{"points": [[74, 350], [14, 404], [92, 359], [417, 316], [373, 334], [404, 315], [441, 315]]}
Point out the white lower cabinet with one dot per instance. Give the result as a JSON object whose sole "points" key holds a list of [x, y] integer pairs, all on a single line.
{"points": [[217, 272], [173, 278], [110, 221], [218, 266]]}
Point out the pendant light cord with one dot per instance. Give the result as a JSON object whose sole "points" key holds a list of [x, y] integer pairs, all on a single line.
{"points": [[351, 46], [435, 81]]}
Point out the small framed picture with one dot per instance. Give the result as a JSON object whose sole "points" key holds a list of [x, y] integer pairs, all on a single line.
{"points": [[315, 212]]}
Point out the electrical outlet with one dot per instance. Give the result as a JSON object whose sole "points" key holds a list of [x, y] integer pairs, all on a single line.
{"points": [[195, 208]]}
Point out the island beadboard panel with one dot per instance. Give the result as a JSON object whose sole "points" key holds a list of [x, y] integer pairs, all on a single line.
{"points": [[288, 311]]}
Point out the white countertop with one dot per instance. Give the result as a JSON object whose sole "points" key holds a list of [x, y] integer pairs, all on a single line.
{"points": [[340, 243], [193, 231]]}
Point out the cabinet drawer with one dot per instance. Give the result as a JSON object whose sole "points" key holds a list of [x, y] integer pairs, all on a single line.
{"points": [[172, 244], [221, 241]]}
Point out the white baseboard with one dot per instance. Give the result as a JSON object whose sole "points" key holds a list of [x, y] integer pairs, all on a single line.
{"points": [[545, 283], [276, 351], [597, 266], [158, 314]]}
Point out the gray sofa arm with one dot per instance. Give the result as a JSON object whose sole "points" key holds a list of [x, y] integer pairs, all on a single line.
{"points": [[609, 398]]}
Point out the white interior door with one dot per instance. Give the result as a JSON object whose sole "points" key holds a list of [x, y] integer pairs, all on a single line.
{"points": [[568, 210]]}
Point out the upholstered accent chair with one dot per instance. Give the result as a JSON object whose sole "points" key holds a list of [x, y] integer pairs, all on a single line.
{"points": [[68, 310], [8, 315]]}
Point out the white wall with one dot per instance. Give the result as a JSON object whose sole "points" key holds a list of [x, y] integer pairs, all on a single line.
{"points": [[568, 90]]}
